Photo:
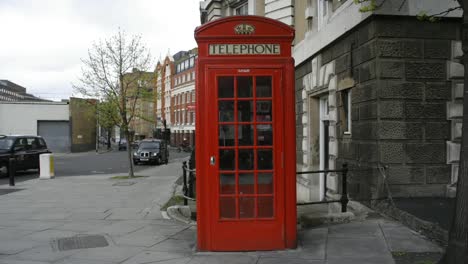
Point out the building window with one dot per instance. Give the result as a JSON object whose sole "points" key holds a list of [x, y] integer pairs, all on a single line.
{"points": [[346, 101], [242, 10], [322, 11]]}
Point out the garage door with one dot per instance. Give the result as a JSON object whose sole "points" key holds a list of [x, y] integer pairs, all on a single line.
{"points": [[56, 134]]}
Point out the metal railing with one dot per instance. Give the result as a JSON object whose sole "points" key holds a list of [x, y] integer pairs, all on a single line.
{"points": [[188, 188], [344, 187]]}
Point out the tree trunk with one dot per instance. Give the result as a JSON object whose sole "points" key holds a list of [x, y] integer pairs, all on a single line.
{"points": [[129, 153], [457, 248]]}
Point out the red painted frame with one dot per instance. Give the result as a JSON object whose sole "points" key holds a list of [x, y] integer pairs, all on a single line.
{"points": [[281, 66]]}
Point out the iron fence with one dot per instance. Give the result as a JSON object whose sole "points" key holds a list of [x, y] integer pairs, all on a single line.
{"points": [[189, 182]]}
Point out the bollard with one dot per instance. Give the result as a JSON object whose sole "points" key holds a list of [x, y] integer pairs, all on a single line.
{"points": [[344, 194], [46, 166], [11, 171]]}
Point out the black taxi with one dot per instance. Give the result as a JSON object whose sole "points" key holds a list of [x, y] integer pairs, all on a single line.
{"points": [[24, 149]]}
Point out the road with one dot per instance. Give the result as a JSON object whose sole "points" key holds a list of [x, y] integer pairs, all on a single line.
{"points": [[92, 163]]}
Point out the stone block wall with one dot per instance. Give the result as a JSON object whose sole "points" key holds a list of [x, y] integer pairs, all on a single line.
{"points": [[406, 90], [401, 102]]}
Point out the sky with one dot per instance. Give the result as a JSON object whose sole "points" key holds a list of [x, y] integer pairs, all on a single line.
{"points": [[42, 42]]}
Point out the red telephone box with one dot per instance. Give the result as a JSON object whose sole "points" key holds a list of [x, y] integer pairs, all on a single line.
{"points": [[245, 151]]}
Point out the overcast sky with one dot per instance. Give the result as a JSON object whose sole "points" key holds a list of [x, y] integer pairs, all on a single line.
{"points": [[42, 41]]}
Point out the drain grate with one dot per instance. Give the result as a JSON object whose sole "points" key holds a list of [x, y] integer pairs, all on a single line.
{"points": [[80, 242], [7, 191], [123, 183]]}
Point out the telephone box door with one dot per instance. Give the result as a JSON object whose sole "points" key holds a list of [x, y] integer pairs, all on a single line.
{"points": [[246, 159]]}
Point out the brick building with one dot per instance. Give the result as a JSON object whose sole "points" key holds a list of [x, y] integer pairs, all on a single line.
{"points": [[378, 89], [183, 98]]}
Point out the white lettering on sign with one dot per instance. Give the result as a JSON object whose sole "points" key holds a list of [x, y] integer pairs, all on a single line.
{"points": [[244, 49], [243, 70]]}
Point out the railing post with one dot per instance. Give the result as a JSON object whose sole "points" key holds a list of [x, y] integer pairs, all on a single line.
{"points": [[344, 193], [184, 178], [11, 171]]}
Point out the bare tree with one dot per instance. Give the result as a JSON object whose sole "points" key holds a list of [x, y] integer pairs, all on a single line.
{"points": [[113, 71]]}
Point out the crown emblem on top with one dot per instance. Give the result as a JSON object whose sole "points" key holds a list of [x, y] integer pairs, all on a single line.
{"points": [[244, 29]]}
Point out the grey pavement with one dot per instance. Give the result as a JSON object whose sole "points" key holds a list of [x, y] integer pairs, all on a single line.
{"points": [[94, 219]]}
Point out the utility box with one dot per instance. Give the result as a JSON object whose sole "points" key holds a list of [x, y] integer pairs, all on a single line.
{"points": [[245, 134], [46, 166]]}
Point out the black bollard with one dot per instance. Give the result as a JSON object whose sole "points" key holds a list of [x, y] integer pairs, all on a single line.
{"points": [[11, 171]]}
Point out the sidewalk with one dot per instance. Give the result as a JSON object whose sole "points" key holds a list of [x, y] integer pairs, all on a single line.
{"points": [[92, 219]]}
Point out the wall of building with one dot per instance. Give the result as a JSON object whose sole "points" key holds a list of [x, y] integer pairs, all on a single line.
{"points": [[398, 70], [21, 118], [83, 124]]}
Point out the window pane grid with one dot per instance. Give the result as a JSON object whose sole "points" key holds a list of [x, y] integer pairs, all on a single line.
{"points": [[249, 205]]}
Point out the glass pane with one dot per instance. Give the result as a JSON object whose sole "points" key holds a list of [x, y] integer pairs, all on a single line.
{"points": [[244, 86], [246, 159], [265, 183], [226, 87], [227, 159], [245, 134], [264, 135], [246, 207], [245, 111], [227, 207], [246, 183], [265, 206], [227, 183], [226, 111], [226, 135], [264, 113], [263, 86], [264, 159]]}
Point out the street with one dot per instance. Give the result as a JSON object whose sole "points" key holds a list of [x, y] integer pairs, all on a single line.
{"points": [[91, 163]]}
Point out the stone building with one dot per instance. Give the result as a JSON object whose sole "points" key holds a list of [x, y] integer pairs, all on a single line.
{"points": [[140, 96], [12, 92], [379, 90], [164, 83]]}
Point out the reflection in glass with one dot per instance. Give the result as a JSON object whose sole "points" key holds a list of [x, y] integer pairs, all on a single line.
{"points": [[246, 183], [264, 135], [227, 159], [265, 159], [225, 87], [263, 86], [245, 134], [226, 111], [245, 111], [264, 112], [226, 135], [227, 207], [246, 159], [244, 86], [227, 183], [265, 183], [265, 206], [246, 207]]}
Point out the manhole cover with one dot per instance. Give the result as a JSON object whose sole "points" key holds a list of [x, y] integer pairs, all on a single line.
{"points": [[80, 242], [7, 191], [123, 183]]}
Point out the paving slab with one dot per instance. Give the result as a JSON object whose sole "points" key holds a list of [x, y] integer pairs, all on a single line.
{"points": [[264, 260], [227, 258], [158, 257], [365, 247], [403, 239]]}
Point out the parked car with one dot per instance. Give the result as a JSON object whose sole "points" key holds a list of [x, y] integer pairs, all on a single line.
{"points": [[152, 151], [123, 144], [24, 149]]}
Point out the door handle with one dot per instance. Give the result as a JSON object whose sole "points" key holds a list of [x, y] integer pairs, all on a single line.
{"points": [[212, 160]]}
